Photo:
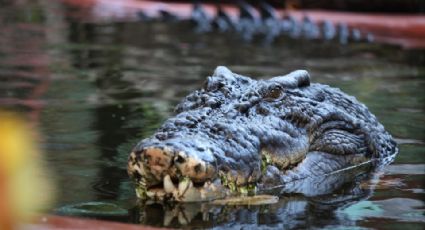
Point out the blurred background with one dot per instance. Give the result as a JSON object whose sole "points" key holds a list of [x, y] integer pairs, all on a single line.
{"points": [[89, 78]]}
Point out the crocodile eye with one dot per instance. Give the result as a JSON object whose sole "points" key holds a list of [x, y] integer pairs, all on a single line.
{"points": [[273, 93]]}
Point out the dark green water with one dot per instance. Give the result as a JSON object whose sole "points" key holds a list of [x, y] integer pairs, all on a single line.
{"points": [[95, 89]]}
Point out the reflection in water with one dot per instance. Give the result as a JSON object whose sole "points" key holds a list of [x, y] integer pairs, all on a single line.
{"points": [[109, 179], [95, 89], [293, 211]]}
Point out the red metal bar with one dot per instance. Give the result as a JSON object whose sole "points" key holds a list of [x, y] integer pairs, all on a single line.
{"points": [[63, 223]]}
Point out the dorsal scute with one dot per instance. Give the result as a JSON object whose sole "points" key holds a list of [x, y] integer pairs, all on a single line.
{"points": [[295, 79]]}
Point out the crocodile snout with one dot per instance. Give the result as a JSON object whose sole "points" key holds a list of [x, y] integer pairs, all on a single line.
{"points": [[166, 171]]}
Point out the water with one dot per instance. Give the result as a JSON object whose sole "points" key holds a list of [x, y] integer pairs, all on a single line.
{"points": [[92, 90]]}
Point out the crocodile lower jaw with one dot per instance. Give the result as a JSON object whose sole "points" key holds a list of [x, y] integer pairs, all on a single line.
{"points": [[184, 191]]}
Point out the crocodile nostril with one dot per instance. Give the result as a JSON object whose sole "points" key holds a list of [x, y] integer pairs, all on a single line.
{"points": [[197, 168]]}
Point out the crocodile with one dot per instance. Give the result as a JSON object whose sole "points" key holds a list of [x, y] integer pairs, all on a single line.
{"points": [[238, 136]]}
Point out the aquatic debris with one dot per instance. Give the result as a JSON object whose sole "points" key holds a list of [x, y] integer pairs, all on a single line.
{"points": [[248, 200]]}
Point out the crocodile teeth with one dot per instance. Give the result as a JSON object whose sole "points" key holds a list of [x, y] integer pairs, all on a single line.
{"points": [[150, 194], [168, 184], [184, 185]]}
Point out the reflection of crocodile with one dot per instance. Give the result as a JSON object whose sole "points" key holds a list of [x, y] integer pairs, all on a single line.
{"points": [[401, 29], [264, 21], [292, 211], [242, 136]]}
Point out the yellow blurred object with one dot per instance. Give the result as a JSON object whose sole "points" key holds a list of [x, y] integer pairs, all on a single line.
{"points": [[24, 188]]}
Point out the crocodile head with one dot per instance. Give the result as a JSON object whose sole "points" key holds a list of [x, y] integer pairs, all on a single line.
{"points": [[233, 136]]}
